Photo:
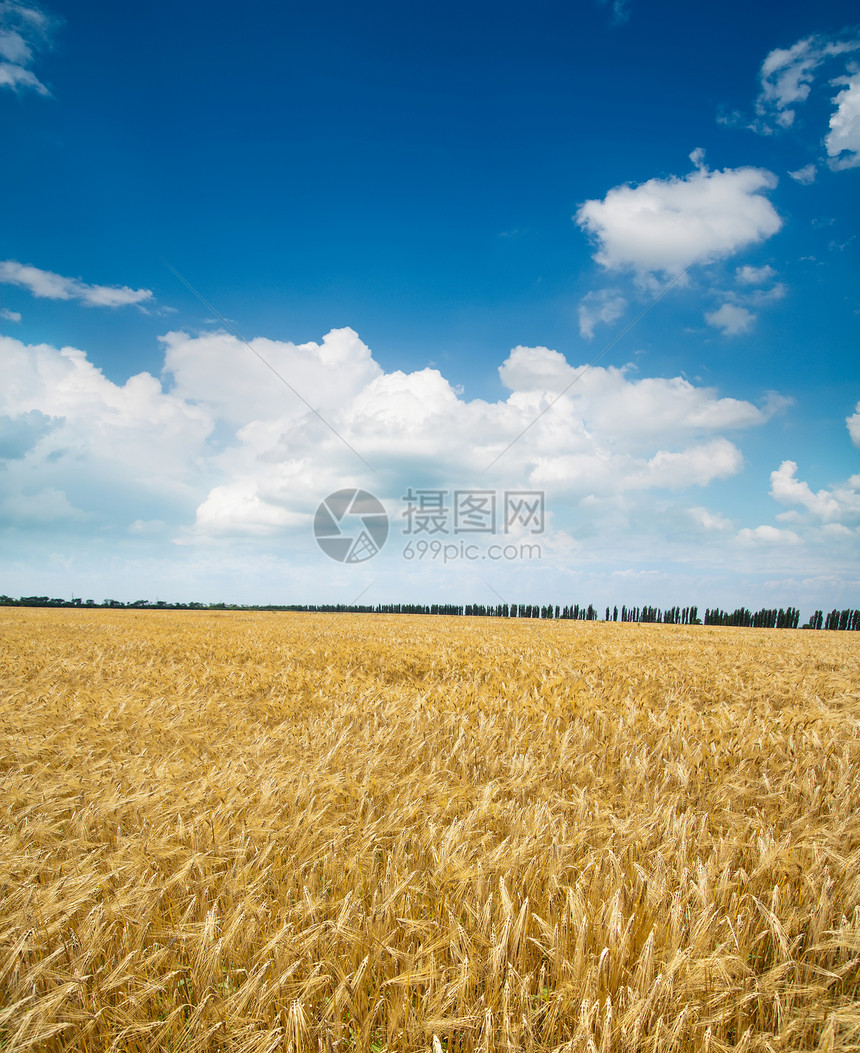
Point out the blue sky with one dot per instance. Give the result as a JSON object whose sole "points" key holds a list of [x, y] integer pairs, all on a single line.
{"points": [[430, 222]]}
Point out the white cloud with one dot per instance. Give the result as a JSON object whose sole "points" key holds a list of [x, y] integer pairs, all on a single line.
{"points": [[787, 75], [328, 374], [824, 521], [787, 489], [838, 531], [13, 47], [98, 433], [50, 286], [664, 225], [598, 472], [227, 451], [853, 423], [609, 403], [755, 275], [148, 462], [805, 176], [711, 521], [840, 503], [608, 435], [538, 369], [601, 307], [695, 466], [843, 139], [731, 319], [763, 297], [16, 78], [734, 315], [24, 29], [768, 535], [9, 315], [244, 506]]}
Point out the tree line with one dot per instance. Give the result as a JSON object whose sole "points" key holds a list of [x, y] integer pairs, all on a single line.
{"points": [[766, 618]]}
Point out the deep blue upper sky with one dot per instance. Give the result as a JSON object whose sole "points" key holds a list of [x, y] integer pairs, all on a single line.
{"points": [[414, 172]]}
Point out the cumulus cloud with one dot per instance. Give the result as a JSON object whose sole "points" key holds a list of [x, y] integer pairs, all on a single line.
{"points": [[818, 519], [731, 319], [611, 402], [245, 506], [24, 30], [607, 435], [50, 286], [786, 488], [9, 315], [768, 535], [331, 372], [839, 504], [601, 307], [664, 225], [131, 435], [222, 448], [843, 139]]}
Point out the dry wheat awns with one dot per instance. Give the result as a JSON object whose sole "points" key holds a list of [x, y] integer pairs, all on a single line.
{"points": [[307, 832]]}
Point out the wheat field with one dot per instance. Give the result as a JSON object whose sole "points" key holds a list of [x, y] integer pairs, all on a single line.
{"points": [[235, 831]]}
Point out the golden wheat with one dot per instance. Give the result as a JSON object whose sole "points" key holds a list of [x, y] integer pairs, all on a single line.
{"points": [[307, 832]]}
